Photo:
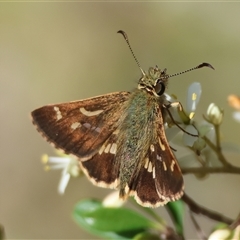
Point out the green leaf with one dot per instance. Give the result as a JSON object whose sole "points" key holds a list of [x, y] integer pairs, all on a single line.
{"points": [[1, 232], [112, 223], [176, 210], [146, 235]]}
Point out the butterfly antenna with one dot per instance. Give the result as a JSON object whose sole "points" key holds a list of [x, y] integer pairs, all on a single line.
{"points": [[197, 67], [126, 39]]}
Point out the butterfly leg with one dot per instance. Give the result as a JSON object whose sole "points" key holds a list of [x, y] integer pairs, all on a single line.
{"points": [[180, 107]]}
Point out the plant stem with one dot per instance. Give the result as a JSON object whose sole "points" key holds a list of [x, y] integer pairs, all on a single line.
{"points": [[200, 233], [218, 151], [217, 132], [198, 209], [201, 170]]}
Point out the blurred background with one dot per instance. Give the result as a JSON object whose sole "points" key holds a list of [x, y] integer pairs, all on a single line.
{"points": [[58, 52]]}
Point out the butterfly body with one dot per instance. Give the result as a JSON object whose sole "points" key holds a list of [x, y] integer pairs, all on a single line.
{"points": [[119, 139], [137, 130]]}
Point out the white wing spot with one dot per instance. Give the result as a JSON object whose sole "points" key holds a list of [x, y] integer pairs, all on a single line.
{"points": [[113, 148], [150, 168], [58, 112], [101, 149], [164, 166], [107, 148], [75, 125], [146, 163], [172, 165], [152, 147], [161, 144], [89, 113], [116, 132], [154, 173]]}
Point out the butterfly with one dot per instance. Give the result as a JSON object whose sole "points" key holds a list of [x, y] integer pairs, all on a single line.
{"points": [[119, 138]]}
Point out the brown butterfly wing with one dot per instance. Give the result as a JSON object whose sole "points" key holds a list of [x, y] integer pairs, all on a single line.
{"points": [[80, 127]]}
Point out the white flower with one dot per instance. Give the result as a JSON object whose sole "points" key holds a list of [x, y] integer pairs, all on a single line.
{"points": [[185, 117], [193, 98], [225, 233], [220, 234], [113, 200], [68, 165], [214, 114]]}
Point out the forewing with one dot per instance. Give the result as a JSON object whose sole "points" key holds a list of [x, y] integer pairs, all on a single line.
{"points": [[80, 127]]}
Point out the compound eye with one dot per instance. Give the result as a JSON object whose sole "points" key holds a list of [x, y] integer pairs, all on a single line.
{"points": [[159, 87]]}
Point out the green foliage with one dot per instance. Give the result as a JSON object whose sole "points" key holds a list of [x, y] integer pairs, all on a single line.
{"points": [[124, 223], [176, 211], [111, 223]]}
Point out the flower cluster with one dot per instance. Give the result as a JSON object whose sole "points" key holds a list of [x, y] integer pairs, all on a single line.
{"points": [[69, 166]]}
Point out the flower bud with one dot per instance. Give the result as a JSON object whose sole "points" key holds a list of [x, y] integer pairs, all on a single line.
{"points": [[214, 114], [113, 200], [223, 234]]}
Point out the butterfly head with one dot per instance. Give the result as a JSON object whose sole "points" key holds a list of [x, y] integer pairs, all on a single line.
{"points": [[155, 81]]}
